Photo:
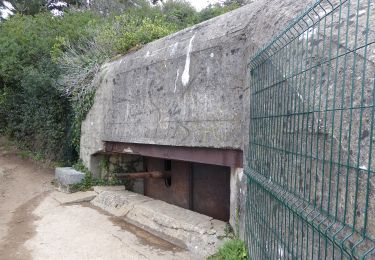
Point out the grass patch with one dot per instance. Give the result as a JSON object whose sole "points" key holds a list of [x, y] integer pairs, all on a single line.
{"points": [[233, 249]]}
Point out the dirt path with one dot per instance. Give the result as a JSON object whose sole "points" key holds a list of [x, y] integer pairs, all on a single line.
{"points": [[35, 226], [23, 184]]}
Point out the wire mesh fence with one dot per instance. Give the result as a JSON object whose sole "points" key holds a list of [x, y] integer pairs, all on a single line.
{"points": [[311, 159]]}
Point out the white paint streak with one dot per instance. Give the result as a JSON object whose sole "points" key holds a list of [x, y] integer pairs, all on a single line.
{"points": [[362, 12], [310, 32], [300, 96], [240, 174], [186, 74], [174, 49], [175, 82]]}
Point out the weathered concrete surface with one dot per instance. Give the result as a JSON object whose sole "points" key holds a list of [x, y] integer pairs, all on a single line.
{"points": [[80, 232], [237, 202], [100, 189], [118, 203], [198, 233], [187, 89], [77, 197]]}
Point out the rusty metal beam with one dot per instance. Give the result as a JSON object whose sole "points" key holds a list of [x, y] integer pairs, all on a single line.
{"points": [[224, 157], [142, 175]]}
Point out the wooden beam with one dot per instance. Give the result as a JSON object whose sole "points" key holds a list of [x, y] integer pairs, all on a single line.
{"points": [[142, 175], [216, 156]]}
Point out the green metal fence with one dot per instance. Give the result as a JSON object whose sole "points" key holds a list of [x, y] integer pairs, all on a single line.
{"points": [[311, 158]]}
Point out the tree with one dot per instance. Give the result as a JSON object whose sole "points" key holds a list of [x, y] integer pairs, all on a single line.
{"points": [[235, 2], [179, 12]]}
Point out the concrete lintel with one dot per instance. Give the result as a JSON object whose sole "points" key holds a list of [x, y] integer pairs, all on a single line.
{"points": [[224, 157]]}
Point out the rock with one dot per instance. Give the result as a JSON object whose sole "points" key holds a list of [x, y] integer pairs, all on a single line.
{"points": [[66, 177]]}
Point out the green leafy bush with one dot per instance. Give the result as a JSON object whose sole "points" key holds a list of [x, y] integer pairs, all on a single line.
{"points": [[32, 108], [180, 13], [216, 10], [89, 182], [233, 249]]}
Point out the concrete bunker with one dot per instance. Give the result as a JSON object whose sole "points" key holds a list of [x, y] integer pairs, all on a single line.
{"points": [[182, 103]]}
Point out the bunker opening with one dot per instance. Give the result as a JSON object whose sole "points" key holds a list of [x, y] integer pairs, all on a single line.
{"points": [[197, 179]]}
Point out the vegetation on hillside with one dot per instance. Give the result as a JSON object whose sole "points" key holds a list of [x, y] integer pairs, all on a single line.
{"points": [[48, 63]]}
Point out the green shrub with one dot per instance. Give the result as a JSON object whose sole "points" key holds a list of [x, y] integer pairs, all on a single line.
{"points": [[233, 249], [133, 28], [215, 10], [33, 110], [89, 182], [180, 13]]}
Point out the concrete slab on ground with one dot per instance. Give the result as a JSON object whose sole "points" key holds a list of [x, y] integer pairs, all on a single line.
{"points": [[198, 233], [118, 203], [77, 197], [99, 189], [79, 232]]}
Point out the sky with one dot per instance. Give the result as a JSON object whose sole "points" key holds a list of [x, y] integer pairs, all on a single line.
{"points": [[200, 4], [6, 12]]}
